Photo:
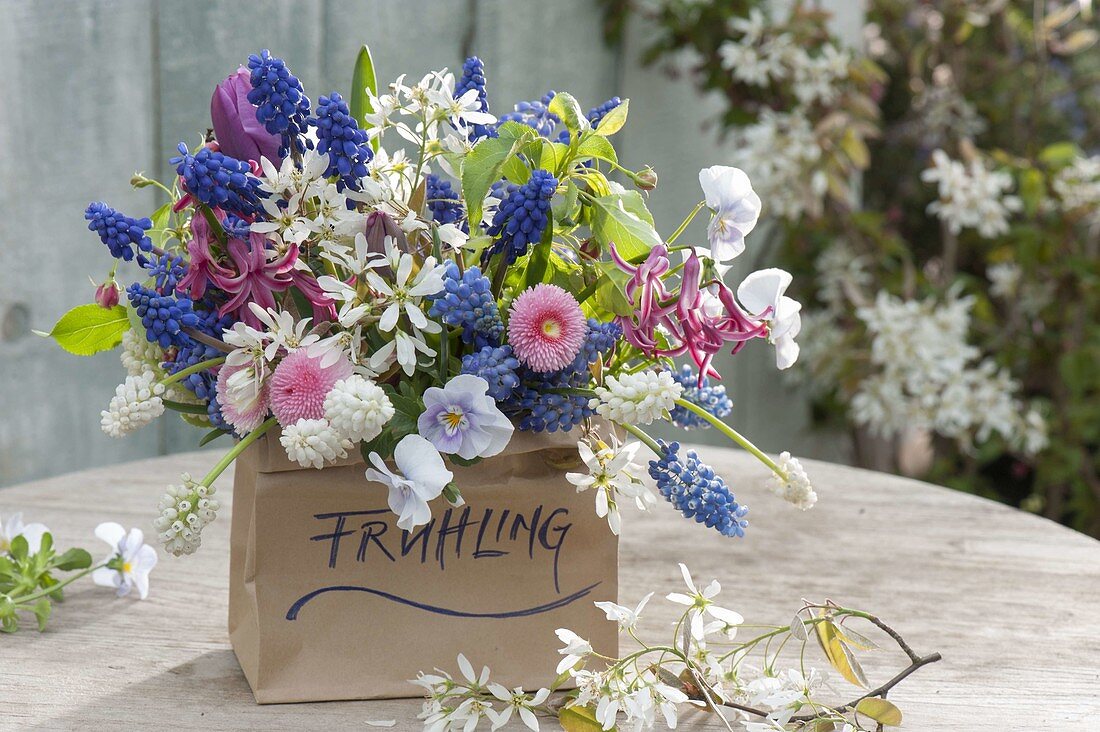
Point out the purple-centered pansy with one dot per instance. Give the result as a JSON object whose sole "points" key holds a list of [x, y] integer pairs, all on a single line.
{"points": [[462, 419]]}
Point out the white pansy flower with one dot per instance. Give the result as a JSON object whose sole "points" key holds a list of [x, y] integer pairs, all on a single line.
{"points": [[637, 399], [762, 295], [136, 403], [358, 408], [795, 488], [313, 442], [129, 565], [14, 526], [421, 477], [735, 209]]}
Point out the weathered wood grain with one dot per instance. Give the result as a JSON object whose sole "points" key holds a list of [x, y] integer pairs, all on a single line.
{"points": [[1009, 599]]}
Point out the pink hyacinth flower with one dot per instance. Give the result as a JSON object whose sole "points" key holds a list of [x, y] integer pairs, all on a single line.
{"points": [[704, 320], [646, 290], [546, 328], [301, 383], [257, 278]]}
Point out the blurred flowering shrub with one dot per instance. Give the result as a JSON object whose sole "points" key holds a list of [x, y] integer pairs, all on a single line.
{"points": [[938, 189]]}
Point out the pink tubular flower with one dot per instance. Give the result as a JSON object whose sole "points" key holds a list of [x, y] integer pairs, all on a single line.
{"points": [[698, 320], [244, 399], [257, 278], [546, 328], [300, 384], [646, 291], [201, 268]]}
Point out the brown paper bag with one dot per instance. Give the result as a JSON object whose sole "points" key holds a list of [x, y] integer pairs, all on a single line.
{"points": [[328, 599]]}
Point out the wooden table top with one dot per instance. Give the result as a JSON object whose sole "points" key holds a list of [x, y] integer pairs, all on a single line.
{"points": [[1008, 598]]}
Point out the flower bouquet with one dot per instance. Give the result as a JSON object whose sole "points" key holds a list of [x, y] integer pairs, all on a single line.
{"points": [[442, 309]]}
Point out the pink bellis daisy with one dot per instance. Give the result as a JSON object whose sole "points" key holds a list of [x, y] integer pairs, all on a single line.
{"points": [[546, 328], [243, 397], [300, 384]]}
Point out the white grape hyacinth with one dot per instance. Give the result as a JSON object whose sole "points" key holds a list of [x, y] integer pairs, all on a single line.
{"points": [[136, 403], [357, 408], [185, 510], [313, 442], [636, 399], [796, 489]]}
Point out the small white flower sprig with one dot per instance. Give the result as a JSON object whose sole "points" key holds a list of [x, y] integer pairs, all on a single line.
{"points": [[704, 667], [29, 565]]}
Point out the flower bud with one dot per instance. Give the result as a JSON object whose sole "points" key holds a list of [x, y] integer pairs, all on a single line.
{"points": [[240, 135], [646, 180], [106, 295], [381, 225]]}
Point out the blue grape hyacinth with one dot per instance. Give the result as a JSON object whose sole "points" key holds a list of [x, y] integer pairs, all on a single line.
{"points": [[522, 215], [711, 398], [338, 135], [467, 300], [498, 366], [535, 114], [473, 77], [219, 180], [119, 232], [190, 351], [696, 491], [281, 104], [536, 401], [166, 270], [443, 201], [162, 316]]}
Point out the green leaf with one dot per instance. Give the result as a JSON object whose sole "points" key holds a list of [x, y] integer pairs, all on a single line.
{"points": [[611, 295], [569, 111], [73, 559], [614, 120], [1059, 154], [7, 567], [89, 329], [594, 146], [160, 218], [42, 612], [880, 710], [211, 436], [485, 163], [623, 218], [18, 548], [363, 78], [579, 719]]}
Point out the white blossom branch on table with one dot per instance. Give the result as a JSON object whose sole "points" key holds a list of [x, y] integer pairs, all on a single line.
{"points": [[703, 666]]}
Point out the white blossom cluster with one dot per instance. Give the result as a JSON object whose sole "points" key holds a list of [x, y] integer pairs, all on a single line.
{"points": [[184, 511], [795, 488], [840, 271], [971, 196], [1078, 187], [929, 377], [760, 57], [780, 153], [462, 703], [313, 442], [640, 398], [136, 403]]}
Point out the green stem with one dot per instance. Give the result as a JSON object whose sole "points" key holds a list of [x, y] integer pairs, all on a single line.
{"points": [[444, 336], [54, 588], [591, 289], [200, 366], [676, 234], [237, 450], [733, 435], [646, 439]]}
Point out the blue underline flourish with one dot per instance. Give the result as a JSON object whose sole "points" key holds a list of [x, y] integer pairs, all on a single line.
{"points": [[292, 613]]}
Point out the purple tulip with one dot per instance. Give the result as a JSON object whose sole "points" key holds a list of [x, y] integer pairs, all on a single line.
{"points": [[240, 135]]}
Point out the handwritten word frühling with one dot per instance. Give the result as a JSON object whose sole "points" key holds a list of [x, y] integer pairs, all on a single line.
{"points": [[458, 533]]}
